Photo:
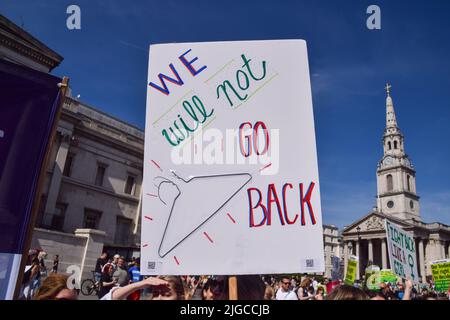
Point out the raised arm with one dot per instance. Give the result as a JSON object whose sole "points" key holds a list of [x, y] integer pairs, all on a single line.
{"points": [[123, 292], [408, 289]]}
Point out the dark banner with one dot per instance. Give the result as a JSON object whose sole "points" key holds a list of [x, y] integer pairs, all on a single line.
{"points": [[28, 107]]}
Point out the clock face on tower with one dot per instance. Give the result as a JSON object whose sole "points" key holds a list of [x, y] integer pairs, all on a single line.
{"points": [[388, 161]]}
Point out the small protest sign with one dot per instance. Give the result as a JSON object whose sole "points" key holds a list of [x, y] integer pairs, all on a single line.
{"points": [[440, 271], [350, 275]]}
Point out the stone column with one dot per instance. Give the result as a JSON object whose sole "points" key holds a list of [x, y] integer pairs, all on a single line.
{"points": [[383, 254], [94, 247], [359, 259], [442, 245], [422, 261], [345, 256], [370, 247], [55, 182], [448, 250]]}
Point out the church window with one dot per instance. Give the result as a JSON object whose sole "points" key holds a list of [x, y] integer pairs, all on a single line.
{"points": [[408, 183], [395, 144], [390, 182], [411, 204], [389, 145], [390, 204]]}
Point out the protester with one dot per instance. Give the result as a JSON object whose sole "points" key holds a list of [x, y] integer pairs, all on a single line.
{"points": [[55, 264], [319, 293], [213, 289], [346, 292], [31, 276], [54, 287], [106, 282], [134, 276], [42, 268], [249, 287], [302, 292], [121, 293], [284, 292], [101, 261], [120, 273], [269, 293]]}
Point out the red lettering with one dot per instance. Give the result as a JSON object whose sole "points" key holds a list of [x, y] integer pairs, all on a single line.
{"points": [[272, 197], [255, 137], [252, 208], [248, 152], [306, 199], [284, 205]]}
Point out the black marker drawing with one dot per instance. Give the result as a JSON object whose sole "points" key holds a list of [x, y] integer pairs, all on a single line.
{"points": [[203, 196]]}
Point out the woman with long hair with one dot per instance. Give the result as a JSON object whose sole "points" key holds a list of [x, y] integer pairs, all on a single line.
{"points": [[54, 287]]}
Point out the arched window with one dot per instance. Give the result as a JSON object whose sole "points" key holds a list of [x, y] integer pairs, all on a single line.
{"points": [[408, 183], [395, 144], [389, 145], [390, 182]]}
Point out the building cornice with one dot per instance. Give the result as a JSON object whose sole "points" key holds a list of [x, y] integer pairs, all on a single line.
{"points": [[395, 193], [108, 192], [20, 41]]}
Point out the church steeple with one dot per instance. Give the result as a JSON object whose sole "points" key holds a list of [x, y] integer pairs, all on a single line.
{"points": [[391, 121], [396, 177], [393, 138]]}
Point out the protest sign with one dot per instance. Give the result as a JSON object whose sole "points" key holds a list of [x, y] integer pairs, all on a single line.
{"points": [[402, 252], [386, 275], [336, 271], [28, 113], [372, 277], [440, 271], [230, 167], [350, 275]]}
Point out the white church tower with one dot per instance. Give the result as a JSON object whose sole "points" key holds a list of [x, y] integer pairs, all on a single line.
{"points": [[396, 177]]}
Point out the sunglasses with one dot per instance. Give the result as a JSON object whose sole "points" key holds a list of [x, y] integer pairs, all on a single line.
{"points": [[286, 282]]}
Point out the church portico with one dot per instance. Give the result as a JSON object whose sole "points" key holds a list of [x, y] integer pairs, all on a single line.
{"points": [[398, 202]]}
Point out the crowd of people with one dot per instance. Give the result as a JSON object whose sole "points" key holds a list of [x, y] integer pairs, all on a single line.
{"points": [[119, 279], [35, 272], [309, 288]]}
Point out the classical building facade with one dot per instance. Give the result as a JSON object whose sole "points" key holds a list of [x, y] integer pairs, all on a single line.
{"points": [[94, 178], [332, 241], [397, 200]]}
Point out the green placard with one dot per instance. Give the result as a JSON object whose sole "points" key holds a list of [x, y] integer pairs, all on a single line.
{"points": [[350, 276], [440, 271]]}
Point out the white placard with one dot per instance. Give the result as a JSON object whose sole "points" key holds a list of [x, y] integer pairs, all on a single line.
{"points": [[402, 252], [231, 181]]}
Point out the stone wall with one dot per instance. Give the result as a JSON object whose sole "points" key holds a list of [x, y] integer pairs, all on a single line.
{"points": [[81, 249]]}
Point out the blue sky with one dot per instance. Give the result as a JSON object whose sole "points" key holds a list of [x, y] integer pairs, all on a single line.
{"points": [[107, 63]]}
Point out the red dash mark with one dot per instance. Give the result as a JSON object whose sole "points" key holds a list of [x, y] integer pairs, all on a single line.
{"points": [[209, 238], [176, 260], [152, 195], [265, 167], [229, 216], [149, 218], [145, 245], [157, 165]]}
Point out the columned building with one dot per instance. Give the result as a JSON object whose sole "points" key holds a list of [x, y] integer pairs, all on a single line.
{"points": [[90, 198], [332, 242], [397, 201]]}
